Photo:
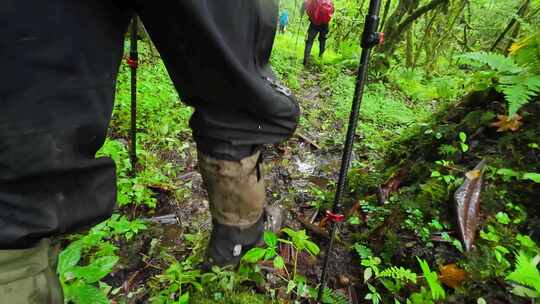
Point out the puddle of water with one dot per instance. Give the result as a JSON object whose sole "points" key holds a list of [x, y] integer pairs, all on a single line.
{"points": [[305, 167]]}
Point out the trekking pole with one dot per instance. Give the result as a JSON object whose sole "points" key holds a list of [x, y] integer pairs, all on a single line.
{"points": [[299, 26], [133, 62], [370, 38], [297, 35]]}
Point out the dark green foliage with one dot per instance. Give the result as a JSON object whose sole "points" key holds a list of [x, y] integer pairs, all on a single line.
{"points": [[411, 118], [519, 83]]}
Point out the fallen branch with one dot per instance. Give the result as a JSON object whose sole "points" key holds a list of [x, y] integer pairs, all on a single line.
{"points": [[315, 229], [309, 141], [164, 219]]}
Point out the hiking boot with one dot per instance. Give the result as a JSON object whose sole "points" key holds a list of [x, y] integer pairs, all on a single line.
{"points": [[307, 52], [322, 47], [28, 276], [236, 195], [228, 243]]}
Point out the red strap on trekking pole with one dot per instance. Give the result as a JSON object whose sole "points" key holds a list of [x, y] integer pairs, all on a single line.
{"points": [[333, 217], [132, 63], [381, 38]]}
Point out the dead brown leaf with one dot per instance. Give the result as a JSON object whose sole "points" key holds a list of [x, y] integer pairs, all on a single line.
{"points": [[467, 198], [452, 276], [392, 184], [505, 123]]}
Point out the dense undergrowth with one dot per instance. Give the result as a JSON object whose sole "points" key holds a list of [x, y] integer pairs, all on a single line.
{"points": [[418, 139]]}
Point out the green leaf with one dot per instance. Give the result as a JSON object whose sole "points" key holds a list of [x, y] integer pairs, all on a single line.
{"points": [[270, 239], [525, 241], [502, 218], [398, 274], [526, 271], [254, 255], [458, 245], [69, 257], [535, 177], [502, 249], [301, 290], [184, 299], [534, 146], [279, 263], [495, 61], [462, 137], [85, 294], [448, 179], [491, 235], [270, 253], [354, 220], [522, 291], [97, 270], [368, 273], [106, 288], [312, 248], [507, 174], [363, 251], [519, 90], [290, 286], [435, 174], [329, 296], [481, 301], [437, 292]]}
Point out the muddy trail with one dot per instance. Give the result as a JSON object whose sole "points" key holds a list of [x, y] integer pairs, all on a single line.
{"points": [[296, 174], [399, 207]]}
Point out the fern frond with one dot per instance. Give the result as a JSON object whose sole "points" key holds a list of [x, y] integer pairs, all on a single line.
{"points": [[518, 90], [526, 272], [437, 291], [495, 61], [398, 274], [332, 297]]}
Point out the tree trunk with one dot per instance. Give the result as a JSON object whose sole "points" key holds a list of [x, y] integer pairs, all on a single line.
{"points": [[520, 13], [395, 26], [517, 27], [409, 49], [426, 37], [385, 13], [466, 21]]}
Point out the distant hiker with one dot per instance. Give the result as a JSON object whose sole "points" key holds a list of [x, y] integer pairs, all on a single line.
{"points": [[283, 21], [319, 12], [59, 64]]}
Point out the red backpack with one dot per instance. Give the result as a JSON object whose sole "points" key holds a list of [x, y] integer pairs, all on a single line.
{"points": [[320, 11]]}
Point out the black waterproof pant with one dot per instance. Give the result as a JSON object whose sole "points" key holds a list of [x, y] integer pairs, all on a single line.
{"points": [[59, 60], [313, 30]]}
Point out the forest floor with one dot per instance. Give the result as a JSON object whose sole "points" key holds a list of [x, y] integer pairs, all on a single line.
{"points": [[408, 160]]}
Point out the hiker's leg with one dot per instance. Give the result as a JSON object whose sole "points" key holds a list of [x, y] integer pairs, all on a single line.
{"points": [[323, 35], [311, 33], [217, 54], [59, 60]]}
